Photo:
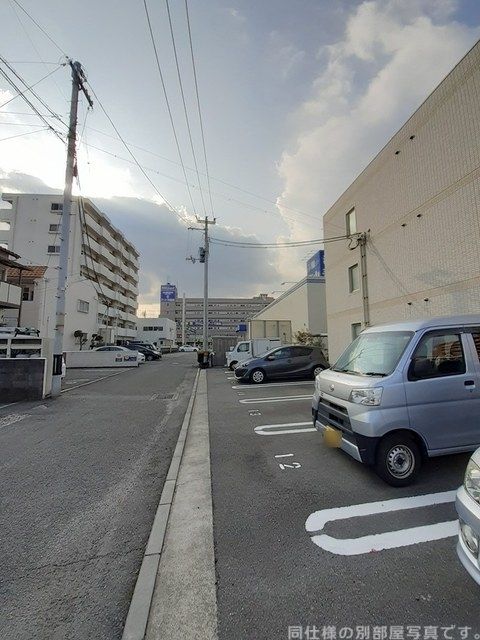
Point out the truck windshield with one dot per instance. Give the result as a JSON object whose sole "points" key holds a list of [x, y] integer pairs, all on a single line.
{"points": [[374, 353]]}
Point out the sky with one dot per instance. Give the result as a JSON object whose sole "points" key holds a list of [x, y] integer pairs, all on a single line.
{"points": [[296, 99]]}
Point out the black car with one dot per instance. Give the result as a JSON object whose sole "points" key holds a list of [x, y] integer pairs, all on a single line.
{"points": [[148, 352], [296, 361]]}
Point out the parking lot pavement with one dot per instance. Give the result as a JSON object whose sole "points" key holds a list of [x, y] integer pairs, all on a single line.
{"points": [[283, 561]]}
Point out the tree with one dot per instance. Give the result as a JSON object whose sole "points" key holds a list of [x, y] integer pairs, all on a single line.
{"points": [[80, 337], [307, 337]]}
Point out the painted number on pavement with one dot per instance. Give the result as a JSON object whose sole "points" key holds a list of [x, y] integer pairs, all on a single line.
{"points": [[287, 465]]}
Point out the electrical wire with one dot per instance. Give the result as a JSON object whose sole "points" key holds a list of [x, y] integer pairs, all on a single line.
{"points": [[40, 27], [170, 206], [275, 245], [25, 133], [30, 87], [198, 105], [42, 61], [30, 104], [168, 103], [179, 76]]}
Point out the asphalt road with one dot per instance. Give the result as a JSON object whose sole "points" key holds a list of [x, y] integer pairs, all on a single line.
{"points": [[80, 480], [273, 574]]}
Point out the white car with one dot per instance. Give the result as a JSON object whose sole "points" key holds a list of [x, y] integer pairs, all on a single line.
{"points": [[468, 509], [187, 347], [140, 358]]}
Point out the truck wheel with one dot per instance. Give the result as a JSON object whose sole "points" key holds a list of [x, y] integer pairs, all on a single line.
{"points": [[398, 459], [316, 370], [257, 376], [232, 365]]}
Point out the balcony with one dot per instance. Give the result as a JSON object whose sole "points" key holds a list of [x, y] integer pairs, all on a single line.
{"points": [[10, 296]]}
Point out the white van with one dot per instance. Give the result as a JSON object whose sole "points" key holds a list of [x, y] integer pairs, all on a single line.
{"points": [[250, 349]]}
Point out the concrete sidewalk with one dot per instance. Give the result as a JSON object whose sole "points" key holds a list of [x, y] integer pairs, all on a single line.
{"points": [[183, 604]]}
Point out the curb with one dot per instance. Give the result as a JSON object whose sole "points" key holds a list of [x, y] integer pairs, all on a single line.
{"points": [[139, 610]]}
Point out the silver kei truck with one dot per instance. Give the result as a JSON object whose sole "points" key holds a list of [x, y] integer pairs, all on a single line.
{"points": [[403, 392]]}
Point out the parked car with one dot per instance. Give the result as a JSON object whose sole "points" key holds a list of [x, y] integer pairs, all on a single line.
{"points": [[468, 509], [402, 392], [187, 347], [149, 352], [248, 349], [291, 361], [107, 347]]}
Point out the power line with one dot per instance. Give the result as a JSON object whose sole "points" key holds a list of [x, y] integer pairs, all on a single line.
{"points": [[276, 245], [170, 206], [25, 133], [184, 104], [220, 195], [30, 104], [40, 27], [29, 87], [210, 177], [168, 103], [198, 105], [42, 102]]}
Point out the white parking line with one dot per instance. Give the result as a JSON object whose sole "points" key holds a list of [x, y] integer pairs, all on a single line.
{"points": [[389, 540], [259, 387], [12, 418], [274, 399], [281, 429]]}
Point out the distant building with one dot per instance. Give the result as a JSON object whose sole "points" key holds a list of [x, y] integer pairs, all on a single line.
{"points": [[303, 304], [102, 286], [418, 205], [162, 332], [224, 314]]}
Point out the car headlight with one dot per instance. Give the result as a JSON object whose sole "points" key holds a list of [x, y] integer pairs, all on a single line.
{"points": [[317, 384], [469, 537], [370, 397], [472, 481]]}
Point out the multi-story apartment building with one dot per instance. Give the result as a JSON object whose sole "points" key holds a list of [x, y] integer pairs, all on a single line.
{"points": [[102, 285], [224, 314], [418, 204]]}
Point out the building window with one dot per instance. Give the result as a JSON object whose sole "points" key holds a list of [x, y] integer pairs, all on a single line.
{"points": [[27, 294], [53, 248], [353, 278], [356, 329], [5, 225], [54, 228], [351, 222], [83, 306], [57, 207]]}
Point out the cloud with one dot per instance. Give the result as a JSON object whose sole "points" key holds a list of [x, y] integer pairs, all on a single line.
{"points": [[164, 242], [391, 56], [284, 56]]}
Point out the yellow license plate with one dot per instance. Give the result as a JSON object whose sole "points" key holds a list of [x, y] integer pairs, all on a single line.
{"points": [[332, 437]]}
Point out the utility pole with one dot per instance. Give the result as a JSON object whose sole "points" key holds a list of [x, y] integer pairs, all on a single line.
{"points": [[183, 319], [362, 241], [78, 80], [204, 258]]}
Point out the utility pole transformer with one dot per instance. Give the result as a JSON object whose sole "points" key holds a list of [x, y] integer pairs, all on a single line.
{"points": [[78, 80]]}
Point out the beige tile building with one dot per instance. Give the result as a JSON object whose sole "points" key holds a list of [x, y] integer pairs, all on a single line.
{"points": [[418, 204]]}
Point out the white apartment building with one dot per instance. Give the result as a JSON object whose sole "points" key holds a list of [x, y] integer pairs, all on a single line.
{"points": [[102, 285], [418, 202], [161, 332]]}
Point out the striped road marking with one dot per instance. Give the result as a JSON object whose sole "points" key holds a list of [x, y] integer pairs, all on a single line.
{"points": [[390, 539], [274, 399], [259, 387], [282, 429]]}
